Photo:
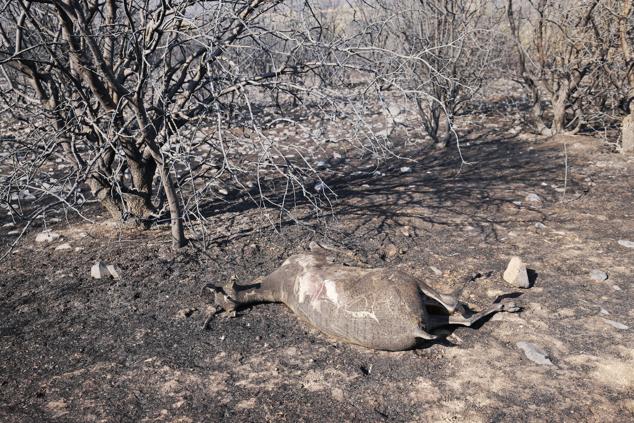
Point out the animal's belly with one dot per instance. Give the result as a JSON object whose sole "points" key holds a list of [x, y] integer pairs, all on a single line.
{"points": [[378, 317]]}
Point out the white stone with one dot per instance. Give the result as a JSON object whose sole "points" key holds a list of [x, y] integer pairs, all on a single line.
{"points": [[625, 243], [101, 270], [534, 200], [617, 325], [406, 169], [64, 246], [535, 353], [598, 275], [47, 236], [436, 270], [516, 273]]}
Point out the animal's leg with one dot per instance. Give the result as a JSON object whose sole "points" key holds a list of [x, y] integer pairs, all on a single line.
{"points": [[264, 289], [424, 335], [233, 295], [440, 321], [448, 301]]}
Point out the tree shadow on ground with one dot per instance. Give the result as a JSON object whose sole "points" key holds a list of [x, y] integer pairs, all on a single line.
{"points": [[437, 188]]}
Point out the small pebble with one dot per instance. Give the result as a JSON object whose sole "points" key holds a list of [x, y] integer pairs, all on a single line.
{"points": [[47, 236], [535, 353], [598, 275], [436, 270], [617, 325], [320, 186], [390, 251], [534, 200], [626, 243]]}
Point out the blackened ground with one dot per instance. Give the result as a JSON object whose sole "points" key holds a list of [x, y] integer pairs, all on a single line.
{"points": [[74, 348]]}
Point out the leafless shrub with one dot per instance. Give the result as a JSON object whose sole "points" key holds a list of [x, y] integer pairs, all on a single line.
{"points": [[444, 55], [569, 60], [129, 94]]}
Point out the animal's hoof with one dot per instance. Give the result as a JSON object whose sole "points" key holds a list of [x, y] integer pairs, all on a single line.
{"points": [[230, 288], [510, 307], [223, 301]]}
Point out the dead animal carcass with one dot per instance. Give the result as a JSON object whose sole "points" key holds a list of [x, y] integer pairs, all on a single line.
{"points": [[377, 308]]}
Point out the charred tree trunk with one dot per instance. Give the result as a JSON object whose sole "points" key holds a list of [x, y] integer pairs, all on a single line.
{"points": [[627, 125]]}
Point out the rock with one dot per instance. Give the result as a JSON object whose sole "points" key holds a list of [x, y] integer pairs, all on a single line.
{"points": [[540, 225], [617, 325], [24, 195], [598, 275], [321, 164], [626, 243], [406, 231], [251, 250], [186, 312], [535, 353], [47, 236], [406, 169], [436, 270], [534, 200], [64, 246], [390, 251], [604, 311], [223, 191], [101, 270], [320, 186], [516, 273]]}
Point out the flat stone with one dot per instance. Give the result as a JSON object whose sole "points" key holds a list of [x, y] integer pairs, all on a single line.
{"points": [[535, 353], [101, 270], [614, 324], [516, 273], [436, 270], [64, 246], [534, 200], [598, 275], [626, 243], [406, 169], [47, 236]]}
